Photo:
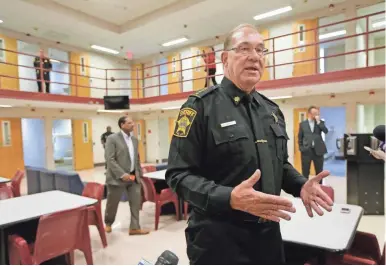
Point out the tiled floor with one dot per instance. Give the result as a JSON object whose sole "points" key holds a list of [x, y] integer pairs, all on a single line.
{"points": [[125, 249]]}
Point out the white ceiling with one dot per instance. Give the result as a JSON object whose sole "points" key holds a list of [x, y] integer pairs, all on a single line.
{"points": [[141, 26], [115, 11]]}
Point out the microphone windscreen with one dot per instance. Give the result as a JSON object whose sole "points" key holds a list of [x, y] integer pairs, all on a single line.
{"points": [[167, 258], [379, 132]]}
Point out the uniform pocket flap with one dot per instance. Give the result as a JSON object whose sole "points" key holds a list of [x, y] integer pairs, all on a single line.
{"points": [[279, 131], [228, 134]]}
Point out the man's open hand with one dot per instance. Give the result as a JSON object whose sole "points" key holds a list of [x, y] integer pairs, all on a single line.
{"points": [[314, 197], [271, 207]]}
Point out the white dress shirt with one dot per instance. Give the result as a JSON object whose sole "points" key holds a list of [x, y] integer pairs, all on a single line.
{"points": [[312, 126], [130, 146]]}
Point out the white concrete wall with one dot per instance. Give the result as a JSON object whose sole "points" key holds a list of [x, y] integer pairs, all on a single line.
{"points": [[282, 57], [99, 124], [187, 72], [151, 69], [55, 88], [118, 87], [219, 66], [25, 60]]}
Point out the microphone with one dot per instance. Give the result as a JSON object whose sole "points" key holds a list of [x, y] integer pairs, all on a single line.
{"points": [[167, 258], [379, 132]]}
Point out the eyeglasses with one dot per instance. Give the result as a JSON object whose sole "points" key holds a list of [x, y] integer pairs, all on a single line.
{"points": [[245, 50]]}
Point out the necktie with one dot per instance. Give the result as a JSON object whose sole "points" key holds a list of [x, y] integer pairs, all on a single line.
{"points": [[264, 154]]}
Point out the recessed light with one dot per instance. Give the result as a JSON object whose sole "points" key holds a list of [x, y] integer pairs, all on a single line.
{"points": [[280, 97], [332, 34], [171, 108], [104, 49], [174, 42], [273, 13], [379, 24], [1, 21], [111, 111]]}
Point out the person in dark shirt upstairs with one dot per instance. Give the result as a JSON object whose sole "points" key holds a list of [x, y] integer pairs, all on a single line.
{"points": [[47, 67], [104, 138]]}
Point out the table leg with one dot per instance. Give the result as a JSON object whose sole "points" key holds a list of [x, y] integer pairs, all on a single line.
{"points": [[181, 206], [3, 255], [322, 257]]}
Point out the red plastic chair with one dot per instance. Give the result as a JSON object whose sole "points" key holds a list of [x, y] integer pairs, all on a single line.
{"points": [[329, 191], [364, 251], [186, 206], [95, 191], [16, 182], [146, 169], [166, 196], [152, 168], [58, 234], [5, 192]]}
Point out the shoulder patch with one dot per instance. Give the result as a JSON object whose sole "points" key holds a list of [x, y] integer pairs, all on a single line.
{"points": [[184, 122], [202, 93]]}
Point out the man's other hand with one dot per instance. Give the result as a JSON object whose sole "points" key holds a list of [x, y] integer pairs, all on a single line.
{"points": [[271, 207], [314, 197], [126, 177]]}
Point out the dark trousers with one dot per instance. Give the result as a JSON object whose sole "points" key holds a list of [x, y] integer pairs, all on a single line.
{"points": [[309, 156], [46, 78], [212, 72], [114, 194], [224, 242]]}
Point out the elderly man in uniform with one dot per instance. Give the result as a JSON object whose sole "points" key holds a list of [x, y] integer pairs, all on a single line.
{"points": [[228, 159]]}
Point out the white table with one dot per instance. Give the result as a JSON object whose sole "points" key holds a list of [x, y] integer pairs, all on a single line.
{"points": [[21, 209], [159, 175], [4, 180], [334, 231]]}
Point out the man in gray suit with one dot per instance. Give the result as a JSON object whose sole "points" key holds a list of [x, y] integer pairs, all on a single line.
{"points": [[123, 174], [311, 144]]}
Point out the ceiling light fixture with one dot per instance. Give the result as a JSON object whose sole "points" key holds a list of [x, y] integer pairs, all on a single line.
{"points": [[379, 24], [111, 111], [174, 42], [104, 49], [171, 108], [5, 106], [55, 61], [273, 13], [280, 97], [332, 34], [1, 21]]}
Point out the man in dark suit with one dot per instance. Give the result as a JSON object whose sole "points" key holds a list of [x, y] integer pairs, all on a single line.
{"points": [[311, 144], [123, 175]]}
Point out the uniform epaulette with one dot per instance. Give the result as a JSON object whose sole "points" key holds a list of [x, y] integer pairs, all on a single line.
{"points": [[269, 100], [202, 93]]}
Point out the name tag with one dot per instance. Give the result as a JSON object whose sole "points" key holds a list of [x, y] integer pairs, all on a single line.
{"points": [[227, 124]]}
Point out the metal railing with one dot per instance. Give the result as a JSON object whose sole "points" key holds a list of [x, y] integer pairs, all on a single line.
{"points": [[137, 83]]}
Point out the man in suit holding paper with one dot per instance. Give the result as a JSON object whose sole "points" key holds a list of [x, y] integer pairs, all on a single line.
{"points": [[123, 174], [311, 144]]}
